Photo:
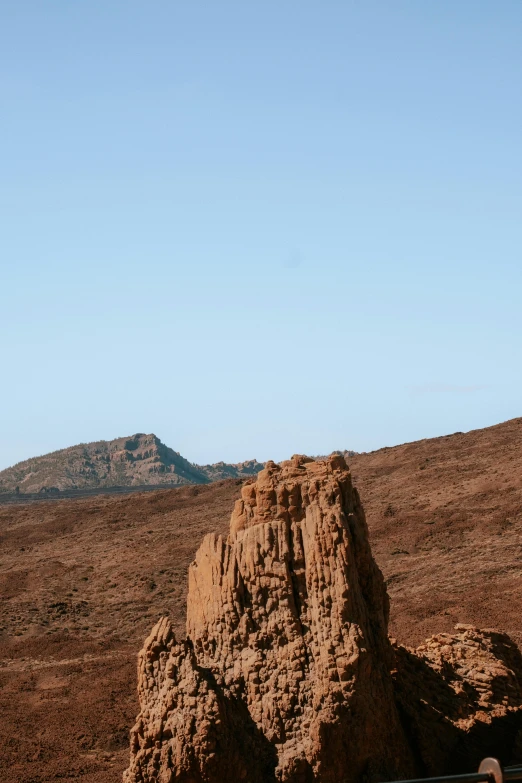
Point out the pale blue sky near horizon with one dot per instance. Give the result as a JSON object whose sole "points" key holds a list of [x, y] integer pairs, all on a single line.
{"points": [[257, 229]]}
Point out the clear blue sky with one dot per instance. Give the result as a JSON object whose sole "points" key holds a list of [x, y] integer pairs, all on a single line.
{"points": [[258, 228]]}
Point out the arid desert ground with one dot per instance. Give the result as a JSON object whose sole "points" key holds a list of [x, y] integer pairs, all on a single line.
{"points": [[83, 581]]}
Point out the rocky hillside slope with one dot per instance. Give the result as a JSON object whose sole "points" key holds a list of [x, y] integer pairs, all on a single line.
{"points": [[445, 518], [137, 460]]}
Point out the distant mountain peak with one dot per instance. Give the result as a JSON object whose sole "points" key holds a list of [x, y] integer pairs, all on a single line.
{"points": [[134, 460]]}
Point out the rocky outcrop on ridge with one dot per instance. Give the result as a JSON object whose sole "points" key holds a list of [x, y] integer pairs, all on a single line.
{"points": [[224, 470], [287, 673]]}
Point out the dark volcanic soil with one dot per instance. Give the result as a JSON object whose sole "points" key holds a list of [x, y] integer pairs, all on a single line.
{"points": [[82, 582]]}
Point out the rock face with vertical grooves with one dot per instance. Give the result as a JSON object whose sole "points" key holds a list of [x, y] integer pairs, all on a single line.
{"points": [[285, 673]]}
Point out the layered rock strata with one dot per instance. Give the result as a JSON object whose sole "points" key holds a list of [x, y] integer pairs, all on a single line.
{"points": [[287, 673]]}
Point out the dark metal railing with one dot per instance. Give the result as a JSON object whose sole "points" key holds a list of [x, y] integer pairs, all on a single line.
{"points": [[490, 771]]}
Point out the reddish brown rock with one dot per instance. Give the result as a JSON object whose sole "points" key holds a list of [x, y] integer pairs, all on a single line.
{"points": [[285, 672], [460, 696]]}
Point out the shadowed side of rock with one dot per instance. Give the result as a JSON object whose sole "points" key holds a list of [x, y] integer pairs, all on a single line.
{"points": [[460, 697], [187, 718], [287, 660]]}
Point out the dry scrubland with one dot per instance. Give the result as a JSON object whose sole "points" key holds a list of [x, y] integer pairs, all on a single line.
{"points": [[83, 581]]}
